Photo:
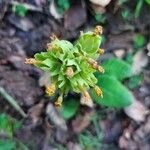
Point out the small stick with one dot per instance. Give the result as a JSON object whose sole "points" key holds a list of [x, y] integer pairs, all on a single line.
{"points": [[12, 102]]}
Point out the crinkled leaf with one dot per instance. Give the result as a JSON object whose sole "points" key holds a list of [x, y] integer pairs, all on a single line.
{"points": [[89, 43], [70, 108], [63, 44], [117, 68], [114, 93]]}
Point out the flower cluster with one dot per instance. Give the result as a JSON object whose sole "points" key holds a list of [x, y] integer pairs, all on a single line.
{"points": [[71, 67]]}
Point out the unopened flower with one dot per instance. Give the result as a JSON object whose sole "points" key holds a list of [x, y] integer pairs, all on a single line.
{"points": [[95, 65], [101, 69], [58, 103], [49, 46], [69, 72], [53, 37], [86, 100], [50, 90], [98, 91], [101, 51], [30, 61], [98, 30]]}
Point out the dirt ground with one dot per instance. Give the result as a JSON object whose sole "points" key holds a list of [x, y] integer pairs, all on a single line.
{"points": [[22, 37]]}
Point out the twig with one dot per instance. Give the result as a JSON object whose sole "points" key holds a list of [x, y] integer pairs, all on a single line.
{"points": [[12, 101]]}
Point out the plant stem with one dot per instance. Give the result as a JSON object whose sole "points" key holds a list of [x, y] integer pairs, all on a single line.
{"points": [[12, 101]]}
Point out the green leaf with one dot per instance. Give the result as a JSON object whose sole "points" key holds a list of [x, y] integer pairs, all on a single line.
{"points": [[117, 68], [12, 144], [138, 8], [100, 17], [20, 9], [70, 108], [126, 14], [6, 126], [7, 145], [114, 93], [89, 43], [139, 41], [135, 81], [129, 58], [148, 2]]}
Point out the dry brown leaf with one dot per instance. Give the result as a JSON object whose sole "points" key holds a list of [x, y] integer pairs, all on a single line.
{"points": [[98, 8], [140, 60], [75, 16], [148, 48], [136, 111], [119, 53], [101, 2], [53, 10], [55, 118], [81, 122], [73, 146], [87, 101], [35, 112]]}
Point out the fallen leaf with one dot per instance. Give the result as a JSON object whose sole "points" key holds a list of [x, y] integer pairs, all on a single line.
{"points": [[73, 146], [75, 16], [148, 48], [87, 101], [40, 2], [136, 111], [140, 60], [54, 117], [119, 53], [53, 11], [35, 112], [81, 122], [61, 136], [101, 2], [98, 8]]}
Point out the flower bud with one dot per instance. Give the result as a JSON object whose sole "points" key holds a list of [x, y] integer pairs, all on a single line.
{"points": [[69, 72], [50, 90], [53, 37], [58, 103], [101, 69], [101, 51], [30, 61], [98, 91], [98, 30]]}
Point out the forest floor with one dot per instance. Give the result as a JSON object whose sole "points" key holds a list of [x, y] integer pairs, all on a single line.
{"points": [[22, 37]]}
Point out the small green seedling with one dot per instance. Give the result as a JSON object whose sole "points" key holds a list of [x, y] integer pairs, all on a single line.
{"points": [[71, 67], [8, 125], [20, 9], [139, 41], [101, 18], [74, 68], [62, 6]]}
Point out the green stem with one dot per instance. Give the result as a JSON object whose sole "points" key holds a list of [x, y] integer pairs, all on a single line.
{"points": [[138, 8]]}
